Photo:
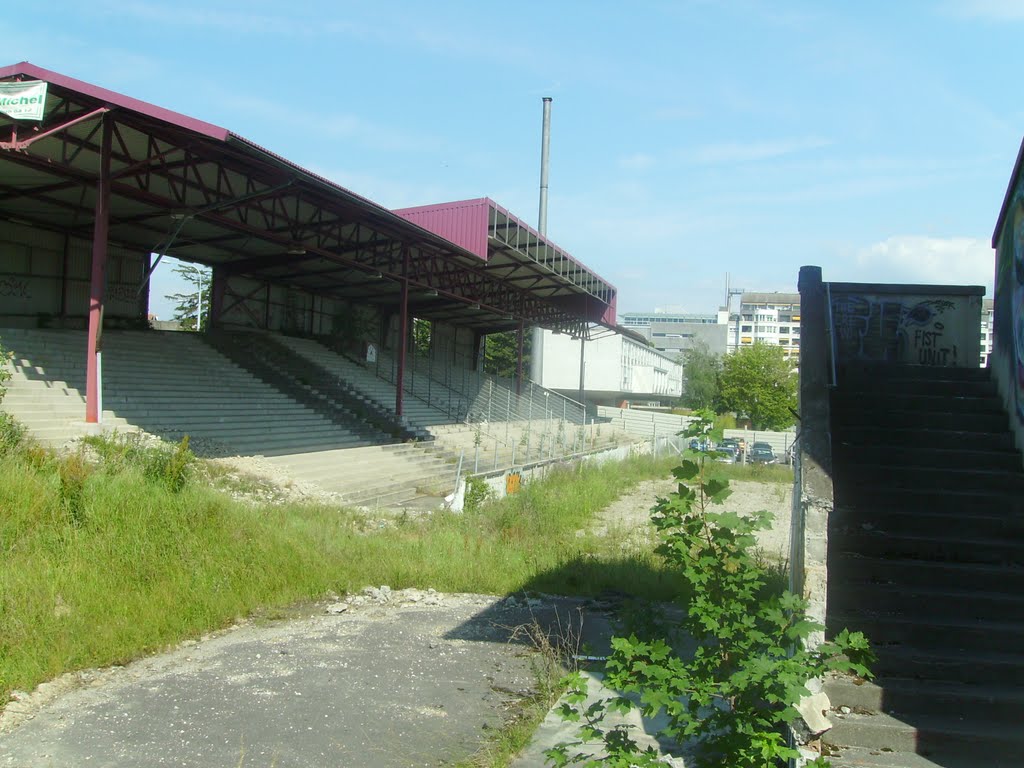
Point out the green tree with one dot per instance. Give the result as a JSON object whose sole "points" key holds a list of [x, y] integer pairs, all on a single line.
{"points": [[188, 304], [701, 369], [422, 331], [501, 352], [759, 382]]}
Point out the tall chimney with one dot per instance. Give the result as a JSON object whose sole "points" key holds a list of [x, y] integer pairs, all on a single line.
{"points": [[545, 144], [537, 345]]}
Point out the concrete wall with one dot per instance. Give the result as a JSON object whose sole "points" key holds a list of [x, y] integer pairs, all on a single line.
{"points": [[45, 279], [919, 325], [1007, 359]]}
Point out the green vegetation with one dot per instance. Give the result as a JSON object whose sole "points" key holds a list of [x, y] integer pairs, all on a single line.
{"points": [[501, 352], [759, 382], [701, 371], [195, 302], [734, 694], [120, 550]]}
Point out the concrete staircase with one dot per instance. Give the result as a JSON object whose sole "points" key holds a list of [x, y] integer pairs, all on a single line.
{"points": [[385, 476], [926, 557], [417, 411], [46, 391], [270, 360]]}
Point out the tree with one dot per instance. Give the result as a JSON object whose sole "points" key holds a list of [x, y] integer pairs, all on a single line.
{"points": [[422, 330], [759, 382], [701, 369], [196, 302], [502, 351]]}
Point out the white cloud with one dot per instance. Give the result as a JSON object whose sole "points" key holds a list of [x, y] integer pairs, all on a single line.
{"points": [[994, 10], [919, 259], [729, 153], [638, 161]]}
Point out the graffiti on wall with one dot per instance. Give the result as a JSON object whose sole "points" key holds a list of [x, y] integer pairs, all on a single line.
{"points": [[1016, 287], [13, 288], [895, 329]]}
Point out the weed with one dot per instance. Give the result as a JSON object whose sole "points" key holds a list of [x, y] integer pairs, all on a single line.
{"points": [[478, 493], [733, 696], [72, 473], [12, 434]]}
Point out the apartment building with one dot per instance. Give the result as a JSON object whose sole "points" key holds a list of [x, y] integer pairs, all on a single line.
{"points": [[768, 318]]}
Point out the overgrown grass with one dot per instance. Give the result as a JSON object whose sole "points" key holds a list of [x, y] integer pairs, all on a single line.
{"points": [[102, 564]]}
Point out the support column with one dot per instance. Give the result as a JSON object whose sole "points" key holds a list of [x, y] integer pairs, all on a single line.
{"points": [[403, 333], [144, 293], [101, 228], [519, 358], [218, 287], [583, 370]]}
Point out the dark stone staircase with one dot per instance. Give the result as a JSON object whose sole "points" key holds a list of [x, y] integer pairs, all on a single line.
{"points": [[309, 384], [926, 557]]}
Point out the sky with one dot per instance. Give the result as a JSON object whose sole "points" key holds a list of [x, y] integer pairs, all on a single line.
{"points": [[690, 139]]}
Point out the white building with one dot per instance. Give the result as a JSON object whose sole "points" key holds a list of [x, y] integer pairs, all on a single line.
{"points": [[768, 318], [615, 368]]}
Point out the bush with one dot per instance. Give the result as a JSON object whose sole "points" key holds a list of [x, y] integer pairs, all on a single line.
{"points": [[171, 465]]}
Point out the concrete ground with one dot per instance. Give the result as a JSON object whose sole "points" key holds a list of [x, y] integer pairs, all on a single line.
{"points": [[383, 679]]}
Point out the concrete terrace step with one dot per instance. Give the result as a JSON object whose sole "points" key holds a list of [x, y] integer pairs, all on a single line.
{"points": [[944, 420], [893, 519], [962, 549], [913, 477], [879, 373], [978, 668], [977, 455], [925, 602], [940, 634], [913, 573], [883, 403], [938, 738], [905, 697], [869, 434], [860, 757]]}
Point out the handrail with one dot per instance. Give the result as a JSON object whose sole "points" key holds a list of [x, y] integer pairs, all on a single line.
{"points": [[831, 333]]}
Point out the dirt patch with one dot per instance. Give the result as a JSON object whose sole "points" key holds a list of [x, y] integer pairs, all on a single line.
{"points": [[630, 516]]}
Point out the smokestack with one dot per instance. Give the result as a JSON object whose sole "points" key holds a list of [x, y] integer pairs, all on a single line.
{"points": [[545, 144]]}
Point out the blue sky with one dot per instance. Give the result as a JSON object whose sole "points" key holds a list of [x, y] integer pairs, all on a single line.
{"points": [[690, 139]]}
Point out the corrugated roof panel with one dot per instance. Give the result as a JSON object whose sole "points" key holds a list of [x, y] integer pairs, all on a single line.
{"points": [[463, 223]]}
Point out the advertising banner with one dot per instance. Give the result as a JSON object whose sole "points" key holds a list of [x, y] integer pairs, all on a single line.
{"points": [[23, 100]]}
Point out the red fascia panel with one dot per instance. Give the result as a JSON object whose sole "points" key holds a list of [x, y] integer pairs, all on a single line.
{"points": [[464, 223], [608, 318], [114, 99]]}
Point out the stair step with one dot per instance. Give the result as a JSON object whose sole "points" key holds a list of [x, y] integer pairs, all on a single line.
{"points": [[850, 479], [936, 635], [926, 573], [892, 436], [976, 455], [979, 667], [940, 738], [962, 549], [852, 404], [925, 420], [923, 520], [924, 602], [906, 698]]}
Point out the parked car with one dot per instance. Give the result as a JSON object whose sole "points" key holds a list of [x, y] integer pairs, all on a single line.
{"points": [[761, 453], [701, 444], [726, 454], [731, 442]]}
